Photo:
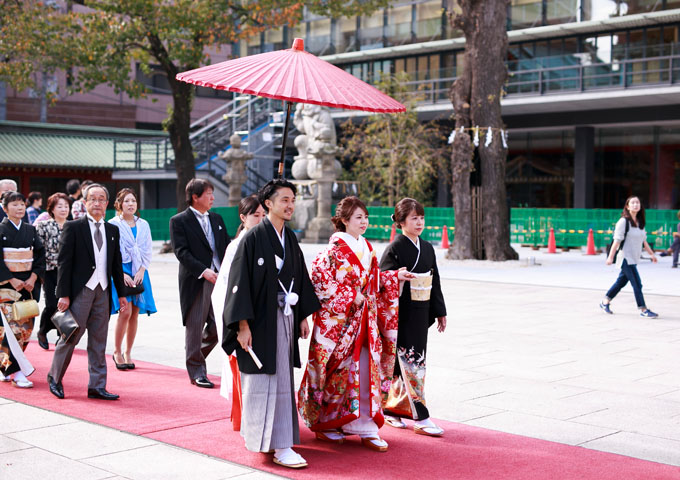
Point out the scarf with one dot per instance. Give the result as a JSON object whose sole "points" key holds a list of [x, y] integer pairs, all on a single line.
{"points": [[135, 250]]}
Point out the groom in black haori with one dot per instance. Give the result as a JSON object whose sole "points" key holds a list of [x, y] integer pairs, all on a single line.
{"points": [[269, 299]]}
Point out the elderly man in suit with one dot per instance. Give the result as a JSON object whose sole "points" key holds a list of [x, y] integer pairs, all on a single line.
{"points": [[89, 258], [199, 238]]}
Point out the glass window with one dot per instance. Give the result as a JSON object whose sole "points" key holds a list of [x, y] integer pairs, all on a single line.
{"points": [[639, 6], [525, 13], [600, 9], [428, 21], [624, 157], [398, 30], [255, 44], [319, 38], [371, 32], [273, 40], [561, 11], [540, 168], [345, 34]]}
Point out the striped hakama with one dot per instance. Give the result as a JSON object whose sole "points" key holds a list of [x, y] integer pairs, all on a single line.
{"points": [[269, 419]]}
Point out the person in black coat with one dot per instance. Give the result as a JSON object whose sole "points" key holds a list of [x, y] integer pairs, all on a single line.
{"points": [[199, 239], [269, 299], [89, 259]]}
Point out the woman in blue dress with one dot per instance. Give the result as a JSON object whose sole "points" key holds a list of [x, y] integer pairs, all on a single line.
{"points": [[135, 249]]}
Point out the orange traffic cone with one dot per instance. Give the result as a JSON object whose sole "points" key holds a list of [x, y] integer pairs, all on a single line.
{"points": [[552, 247], [445, 237], [590, 246], [394, 232]]}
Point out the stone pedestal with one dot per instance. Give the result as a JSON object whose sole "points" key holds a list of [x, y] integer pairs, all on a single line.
{"points": [[320, 229], [322, 169]]}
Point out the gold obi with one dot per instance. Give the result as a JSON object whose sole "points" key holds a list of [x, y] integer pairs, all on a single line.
{"points": [[18, 259]]}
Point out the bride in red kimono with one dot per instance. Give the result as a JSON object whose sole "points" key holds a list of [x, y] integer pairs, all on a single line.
{"points": [[353, 345]]}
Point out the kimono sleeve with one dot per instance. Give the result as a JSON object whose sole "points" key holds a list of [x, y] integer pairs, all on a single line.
{"points": [[335, 296], [309, 303], [239, 304], [5, 274], [388, 300], [389, 259], [39, 262]]}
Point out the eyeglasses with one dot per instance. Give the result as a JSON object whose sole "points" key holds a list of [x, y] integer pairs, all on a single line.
{"points": [[97, 200]]}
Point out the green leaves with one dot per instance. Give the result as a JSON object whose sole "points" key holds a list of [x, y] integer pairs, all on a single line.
{"points": [[394, 156]]}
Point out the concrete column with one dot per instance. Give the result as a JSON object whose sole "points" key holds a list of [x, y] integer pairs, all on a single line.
{"points": [[584, 160]]}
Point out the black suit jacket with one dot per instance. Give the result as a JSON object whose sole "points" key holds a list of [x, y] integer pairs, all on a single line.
{"points": [[76, 262], [194, 253]]}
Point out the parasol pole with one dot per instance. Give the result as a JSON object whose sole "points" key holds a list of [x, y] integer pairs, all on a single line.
{"points": [[285, 137]]}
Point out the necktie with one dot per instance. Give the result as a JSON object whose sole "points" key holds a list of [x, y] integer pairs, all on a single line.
{"points": [[98, 235], [204, 225]]}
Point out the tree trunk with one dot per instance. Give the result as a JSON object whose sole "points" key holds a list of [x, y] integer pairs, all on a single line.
{"points": [[461, 167], [179, 122], [486, 42], [178, 130]]}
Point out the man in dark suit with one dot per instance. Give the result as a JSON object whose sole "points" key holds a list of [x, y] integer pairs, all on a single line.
{"points": [[199, 238], [89, 258]]}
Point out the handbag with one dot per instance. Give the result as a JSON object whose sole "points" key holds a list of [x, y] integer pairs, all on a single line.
{"points": [[132, 291], [66, 324], [25, 309]]}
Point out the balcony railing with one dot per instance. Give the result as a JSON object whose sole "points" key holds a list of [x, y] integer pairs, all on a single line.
{"points": [[558, 77]]}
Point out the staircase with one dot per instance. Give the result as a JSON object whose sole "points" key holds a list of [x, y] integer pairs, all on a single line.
{"points": [[259, 123]]}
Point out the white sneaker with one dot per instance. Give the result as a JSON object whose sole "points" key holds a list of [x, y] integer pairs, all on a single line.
{"points": [[287, 457], [4, 378], [19, 380]]}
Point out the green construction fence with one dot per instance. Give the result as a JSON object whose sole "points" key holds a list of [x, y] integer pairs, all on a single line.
{"points": [[528, 226]]}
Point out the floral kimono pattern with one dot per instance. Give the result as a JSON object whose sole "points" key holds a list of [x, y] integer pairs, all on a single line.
{"points": [[21, 328], [329, 394]]}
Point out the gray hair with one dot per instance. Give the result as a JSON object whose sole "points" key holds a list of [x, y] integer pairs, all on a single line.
{"points": [[95, 185], [9, 181]]}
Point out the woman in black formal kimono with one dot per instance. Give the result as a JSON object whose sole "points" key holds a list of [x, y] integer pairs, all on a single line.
{"points": [[420, 303], [23, 267]]}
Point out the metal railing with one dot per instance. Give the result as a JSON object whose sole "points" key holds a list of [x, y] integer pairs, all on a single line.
{"points": [[619, 74]]}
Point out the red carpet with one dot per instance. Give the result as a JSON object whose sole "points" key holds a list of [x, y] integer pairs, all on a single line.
{"points": [[159, 402]]}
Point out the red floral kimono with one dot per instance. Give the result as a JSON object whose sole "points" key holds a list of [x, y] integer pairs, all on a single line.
{"points": [[329, 395]]}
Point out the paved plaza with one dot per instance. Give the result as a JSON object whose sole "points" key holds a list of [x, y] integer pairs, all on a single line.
{"points": [[527, 351]]}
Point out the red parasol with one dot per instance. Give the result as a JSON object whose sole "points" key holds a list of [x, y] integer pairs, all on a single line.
{"points": [[293, 75]]}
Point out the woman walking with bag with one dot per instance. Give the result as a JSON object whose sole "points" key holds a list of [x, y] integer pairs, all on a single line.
{"points": [[135, 250], [49, 232], [421, 303], [23, 266], [630, 238]]}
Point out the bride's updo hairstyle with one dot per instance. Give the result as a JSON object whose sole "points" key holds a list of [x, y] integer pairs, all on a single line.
{"points": [[247, 206], [404, 208], [344, 211]]}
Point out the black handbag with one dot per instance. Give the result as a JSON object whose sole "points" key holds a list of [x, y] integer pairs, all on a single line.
{"points": [[132, 291], [66, 324]]}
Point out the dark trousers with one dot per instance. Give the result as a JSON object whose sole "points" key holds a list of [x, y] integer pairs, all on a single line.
{"points": [[200, 335], [675, 247], [629, 273], [50, 289]]}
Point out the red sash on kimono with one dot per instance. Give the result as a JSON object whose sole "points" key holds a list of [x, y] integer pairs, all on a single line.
{"points": [[369, 290]]}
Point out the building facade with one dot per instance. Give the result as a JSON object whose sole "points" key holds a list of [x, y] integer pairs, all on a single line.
{"points": [[592, 101]]}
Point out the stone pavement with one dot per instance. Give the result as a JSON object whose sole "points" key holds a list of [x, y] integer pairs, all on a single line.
{"points": [[526, 351]]}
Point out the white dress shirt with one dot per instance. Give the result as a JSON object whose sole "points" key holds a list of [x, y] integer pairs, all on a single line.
{"points": [[100, 275]]}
